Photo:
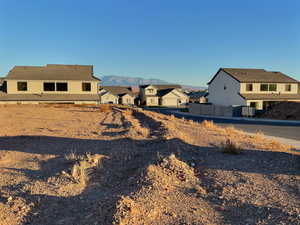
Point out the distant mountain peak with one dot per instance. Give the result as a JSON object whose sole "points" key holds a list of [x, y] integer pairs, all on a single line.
{"points": [[114, 80]]}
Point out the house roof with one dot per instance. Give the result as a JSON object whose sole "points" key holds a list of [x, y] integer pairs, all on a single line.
{"points": [[161, 86], [116, 90], [256, 76], [197, 94], [271, 96], [52, 72], [48, 97]]}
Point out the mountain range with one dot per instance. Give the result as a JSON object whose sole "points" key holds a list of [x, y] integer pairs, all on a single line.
{"points": [[136, 81]]}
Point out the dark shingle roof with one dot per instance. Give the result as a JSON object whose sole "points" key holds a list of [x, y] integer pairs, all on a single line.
{"points": [[116, 90], [256, 76], [270, 96], [198, 94], [52, 72], [48, 97]]}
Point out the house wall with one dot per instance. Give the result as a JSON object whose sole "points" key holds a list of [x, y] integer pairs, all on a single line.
{"points": [[36, 87], [280, 89], [109, 98], [127, 100], [228, 96], [152, 101], [174, 98]]}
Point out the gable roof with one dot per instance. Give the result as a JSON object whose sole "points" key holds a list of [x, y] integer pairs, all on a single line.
{"points": [[161, 86], [197, 94], [256, 76], [116, 90], [52, 72]]}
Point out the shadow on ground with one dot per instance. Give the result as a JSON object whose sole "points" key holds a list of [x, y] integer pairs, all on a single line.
{"points": [[126, 157]]}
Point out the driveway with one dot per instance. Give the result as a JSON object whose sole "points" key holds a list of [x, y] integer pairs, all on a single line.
{"points": [[282, 129]]}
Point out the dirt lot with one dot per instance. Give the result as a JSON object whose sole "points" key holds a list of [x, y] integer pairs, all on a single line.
{"points": [[72, 165]]}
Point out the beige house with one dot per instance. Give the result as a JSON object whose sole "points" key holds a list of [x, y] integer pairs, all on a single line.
{"points": [[52, 83], [163, 95], [116, 95], [251, 87]]}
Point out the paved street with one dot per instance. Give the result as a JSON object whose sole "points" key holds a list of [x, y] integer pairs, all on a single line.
{"points": [[284, 129]]}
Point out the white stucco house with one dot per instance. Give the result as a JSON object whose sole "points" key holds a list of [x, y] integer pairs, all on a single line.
{"points": [[163, 95], [257, 88]]}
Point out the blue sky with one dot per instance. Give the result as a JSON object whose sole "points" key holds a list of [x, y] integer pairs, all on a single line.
{"points": [[178, 41]]}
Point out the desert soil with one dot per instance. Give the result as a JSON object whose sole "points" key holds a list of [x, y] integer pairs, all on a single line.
{"points": [[61, 164]]}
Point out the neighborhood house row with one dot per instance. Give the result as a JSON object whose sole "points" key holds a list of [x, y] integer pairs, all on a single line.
{"points": [[77, 84]]}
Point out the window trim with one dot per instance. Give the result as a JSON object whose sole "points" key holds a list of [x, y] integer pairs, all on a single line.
{"points": [[24, 82]]}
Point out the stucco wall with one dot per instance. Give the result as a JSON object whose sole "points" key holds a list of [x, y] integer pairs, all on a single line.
{"points": [[127, 99], [174, 98], [109, 98], [152, 101], [219, 95], [36, 87], [280, 88]]}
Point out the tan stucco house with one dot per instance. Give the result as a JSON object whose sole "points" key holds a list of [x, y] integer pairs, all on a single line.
{"points": [[53, 83], [163, 95], [116, 95], [257, 88]]}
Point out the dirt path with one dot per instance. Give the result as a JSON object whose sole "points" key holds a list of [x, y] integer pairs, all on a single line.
{"points": [[153, 169]]}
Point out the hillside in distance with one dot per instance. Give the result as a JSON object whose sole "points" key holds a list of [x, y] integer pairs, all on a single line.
{"points": [[136, 81]]}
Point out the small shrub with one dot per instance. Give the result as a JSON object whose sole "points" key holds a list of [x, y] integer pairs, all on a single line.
{"points": [[209, 124], [230, 147]]}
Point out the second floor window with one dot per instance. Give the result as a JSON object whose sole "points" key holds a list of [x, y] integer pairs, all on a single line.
{"points": [[249, 87], [150, 90], [49, 86], [272, 87], [22, 86], [86, 86], [268, 87], [288, 87], [63, 86], [264, 87]]}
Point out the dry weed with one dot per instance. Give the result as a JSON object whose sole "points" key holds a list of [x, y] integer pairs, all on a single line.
{"points": [[209, 124], [230, 147]]}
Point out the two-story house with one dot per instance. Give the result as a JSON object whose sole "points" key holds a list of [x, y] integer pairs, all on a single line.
{"points": [[163, 95], [257, 88], [117, 95], [52, 83]]}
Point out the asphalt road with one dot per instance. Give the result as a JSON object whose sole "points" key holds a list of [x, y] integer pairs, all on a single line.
{"points": [[271, 128]]}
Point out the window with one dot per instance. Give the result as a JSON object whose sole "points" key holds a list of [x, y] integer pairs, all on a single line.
{"points": [[86, 86], [253, 104], [61, 86], [272, 87], [22, 86], [150, 90], [225, 87], [264, 87], [49, 86], [288, 87], [249, 87], [268, 87]]}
